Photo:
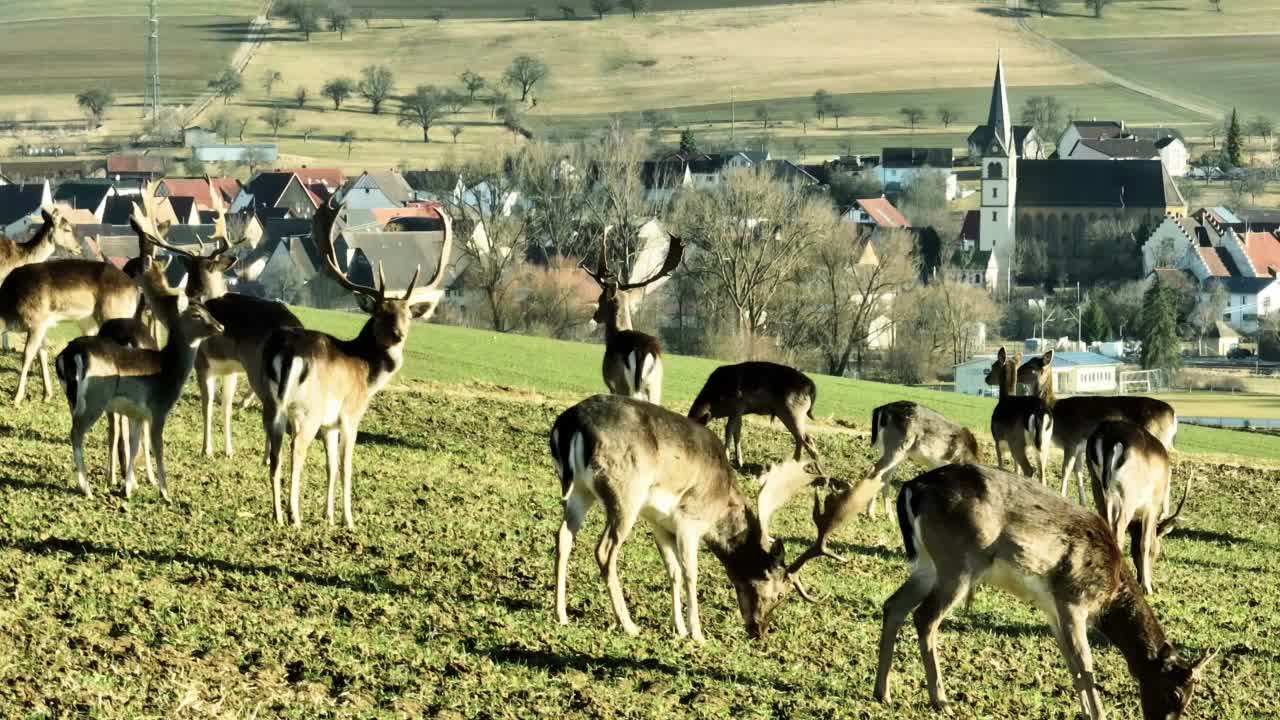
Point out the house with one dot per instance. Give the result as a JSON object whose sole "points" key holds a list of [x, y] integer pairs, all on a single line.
{"points": [[377, 189], [184, 210], [1110, 140], [250, 153], [1220, 340], [199, 188], [663, 178], [1215, 242], [1078, 130], [197, 136], [1074, 373], [77, 216], [1248, 299], [900, 167], [788, 172], [134, 167], [20, 206], [1026, 142], [279, 191], [85, 195], [875, 213]]}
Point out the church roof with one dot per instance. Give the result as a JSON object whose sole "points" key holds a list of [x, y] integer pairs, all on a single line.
{"points": [[1095, 183], [981, 137], [998, 115]]}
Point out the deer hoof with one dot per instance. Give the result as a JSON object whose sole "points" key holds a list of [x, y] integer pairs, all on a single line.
{"points": [[631, 629]]}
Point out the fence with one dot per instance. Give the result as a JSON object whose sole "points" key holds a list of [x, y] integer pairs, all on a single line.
{"points": [[1233, 422]]}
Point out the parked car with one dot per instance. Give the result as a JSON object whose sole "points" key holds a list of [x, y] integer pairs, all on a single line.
{"points": [[1239, 353]]}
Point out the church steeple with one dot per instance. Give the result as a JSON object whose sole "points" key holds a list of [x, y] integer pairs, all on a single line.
{"points": [[998, 116]]}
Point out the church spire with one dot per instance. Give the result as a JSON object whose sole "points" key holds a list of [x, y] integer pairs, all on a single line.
{"points": [[998, 116]]}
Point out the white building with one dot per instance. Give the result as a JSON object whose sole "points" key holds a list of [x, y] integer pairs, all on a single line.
{"points": [[901, 167], [1074, 373]]}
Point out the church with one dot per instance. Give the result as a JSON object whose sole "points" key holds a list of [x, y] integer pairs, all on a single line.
{"points": [[1053, 202]]}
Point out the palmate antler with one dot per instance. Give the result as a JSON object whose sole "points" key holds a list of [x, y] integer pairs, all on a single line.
{"points": [[780, 484], [142, 218], [604, 276]]}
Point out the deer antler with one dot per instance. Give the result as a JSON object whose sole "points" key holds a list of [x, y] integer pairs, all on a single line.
{"points": [[142, 218], [675, 251], [439, 275], [602, 274], [781, 483], [323, 233]]}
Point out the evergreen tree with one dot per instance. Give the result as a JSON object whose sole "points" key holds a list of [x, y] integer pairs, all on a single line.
{"points": [[1234, 148], [1160, 341], [688, 142], [1094, 324]]}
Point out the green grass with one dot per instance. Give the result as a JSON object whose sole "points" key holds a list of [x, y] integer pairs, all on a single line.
{"points": [[439, 605], [170, 10], [1219, 404], [1229, 71], [1151, 18], [546, 8], [58, 59]]}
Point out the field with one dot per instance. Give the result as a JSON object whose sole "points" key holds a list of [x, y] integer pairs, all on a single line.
{"points": [[14, 10], [440, 603], [1216, 404], [516, 8], [1159, 18]]}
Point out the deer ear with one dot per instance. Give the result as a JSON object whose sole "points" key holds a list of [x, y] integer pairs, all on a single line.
{"points": [[1000, 354], [366, 303], [1048, 358], [225, 263], [421, 309], [776, 550]]}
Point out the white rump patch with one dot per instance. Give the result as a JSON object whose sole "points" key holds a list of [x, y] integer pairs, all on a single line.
{"points": [[648, 365]]}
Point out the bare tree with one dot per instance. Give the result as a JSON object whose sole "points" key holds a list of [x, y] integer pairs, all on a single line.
{"points": [[365, 15], [1207, 313], [339, 17], [300, 96], [601, 8], [558, 183], [424, 108], [242, 122], [525, 72], [95, 102], [376, 84], [454, 132], [1097, 6], [947, 115], [637, 7], [338, 90], [348, 138], [617, 198], [222, 125], [913, 114], [762, 114], [303, 14], [277, 118], [269, 79], [473, 82], [227, 85], [751, 231], [837, 109], [531, 12], [437, 15], [964, 311], [821, 99]]}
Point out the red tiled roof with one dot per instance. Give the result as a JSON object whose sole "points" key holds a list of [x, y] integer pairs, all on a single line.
{"points": [[1263, 249], [883, 212], [1210, 257], [386, 215], [331, 178], [198, 188], [133, 163]]}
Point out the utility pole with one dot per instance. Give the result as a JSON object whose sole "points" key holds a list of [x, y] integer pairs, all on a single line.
{"points": [[151, 94], [732, 113]]}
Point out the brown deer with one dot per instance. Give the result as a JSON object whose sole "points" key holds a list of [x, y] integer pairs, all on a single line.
{"points": [[964, 525], [98, 376], [1132, 480], [1075, 418], [757, 388], [906, 430], [318, 382], [55, 232], [642, 460], [248, 321], [632, 360], [1019, 422]]}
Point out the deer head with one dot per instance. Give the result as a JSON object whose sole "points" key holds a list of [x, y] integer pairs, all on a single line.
{"points": [[59, 230], [612, 301], [207, 271]]}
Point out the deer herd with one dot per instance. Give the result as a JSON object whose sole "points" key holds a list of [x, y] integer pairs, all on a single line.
{"points": [[962, 523]]}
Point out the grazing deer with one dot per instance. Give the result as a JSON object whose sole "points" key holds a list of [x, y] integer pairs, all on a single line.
{"points": [[757, 388], [1075, 418], [963, 525], [100, 376], [316, 381], [55, 232], [1132, 480], [632, 360], [248, 320], [640, 459], [1019, 422], [37, 297], [906, 430]]}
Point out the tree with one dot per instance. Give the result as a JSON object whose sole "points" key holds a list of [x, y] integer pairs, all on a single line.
{"points": [[531, 12], [1097, 6], [820, 100], [365, 15], [339, 17], [601, 8], [473, 82], [1159, 326], [348, 138], [269, 80], [424, 108], [525, 72], [688, 141], [567, 12], [437, 15], [636, 7], [307, 133], [840, 296], [1044, 113], [846, 187], [277, 118], [338, 90], [1093, 323], [1234, 144], [454, 132], [376, 84], [1048, 6], [95, 102], [837, 109], [912, 114], [751, 232], [300, 96], [657, 120], [222, 125], [1207, 313], [242, 124], [303, 15], [762, 114], [227, 85], [947, 115], [1251, 184], [803, 119], [1262, 127], [1216, 5]]}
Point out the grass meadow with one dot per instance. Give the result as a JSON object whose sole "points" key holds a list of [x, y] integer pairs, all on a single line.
{"points": [[439, 604], [1159, 18]]}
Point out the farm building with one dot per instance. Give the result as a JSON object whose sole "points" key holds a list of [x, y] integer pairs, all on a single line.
{"points": [[1074, 373], [259, 152], [900, 167]]}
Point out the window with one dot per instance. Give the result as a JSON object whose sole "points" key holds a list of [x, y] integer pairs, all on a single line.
{"points": [[993, 216], [1226, 316], [995, 192], [994, 171]]}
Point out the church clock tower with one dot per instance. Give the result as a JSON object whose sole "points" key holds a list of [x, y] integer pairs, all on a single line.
{"points": [[999, 178]]}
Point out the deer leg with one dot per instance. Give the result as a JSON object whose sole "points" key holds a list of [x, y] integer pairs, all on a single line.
{"points": [[44, 372], [732, 438], [80, 425], [667, 548], [303, 435], [618, 527], [333, 457], [208, 384], [1142, 539], [1072, 634], [349, 433], [135, 441], [896, 608], [999, 452], [114, 449], [576, 505], [156, 434], [928, 616], [891, 459], [687, 546], [35, 339], [275, 452], [1068, 463], [228, 404], [146, 454], [1018, 451]]}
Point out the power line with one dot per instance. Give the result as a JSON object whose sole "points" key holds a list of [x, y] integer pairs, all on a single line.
{"points": [[151, 95]]}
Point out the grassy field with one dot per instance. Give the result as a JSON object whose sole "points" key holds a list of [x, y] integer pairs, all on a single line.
{"points": [[546, 9], [439, 605], [1222, 71], [13, 10], [1156, 18], [1216, 404]]}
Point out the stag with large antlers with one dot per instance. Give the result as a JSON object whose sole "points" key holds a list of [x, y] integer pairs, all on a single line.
{"points": [[632, 359], [317, 382], [248, 321], [964, 525], [641, 460], [55, 232]]}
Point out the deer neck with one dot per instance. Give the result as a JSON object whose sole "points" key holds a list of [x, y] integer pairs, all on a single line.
{"points": [[1008, 380], [383, 361], [620, 319], [1044, 389], [736, 541], [177, 360], [1131, 626], [38, 249]]}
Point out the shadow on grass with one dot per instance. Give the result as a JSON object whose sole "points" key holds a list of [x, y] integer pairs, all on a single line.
{"points": [[367, 583], [8, 431], [605, 665], [879, 552], [374, 438], [22, 484], [1210, 536]]}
